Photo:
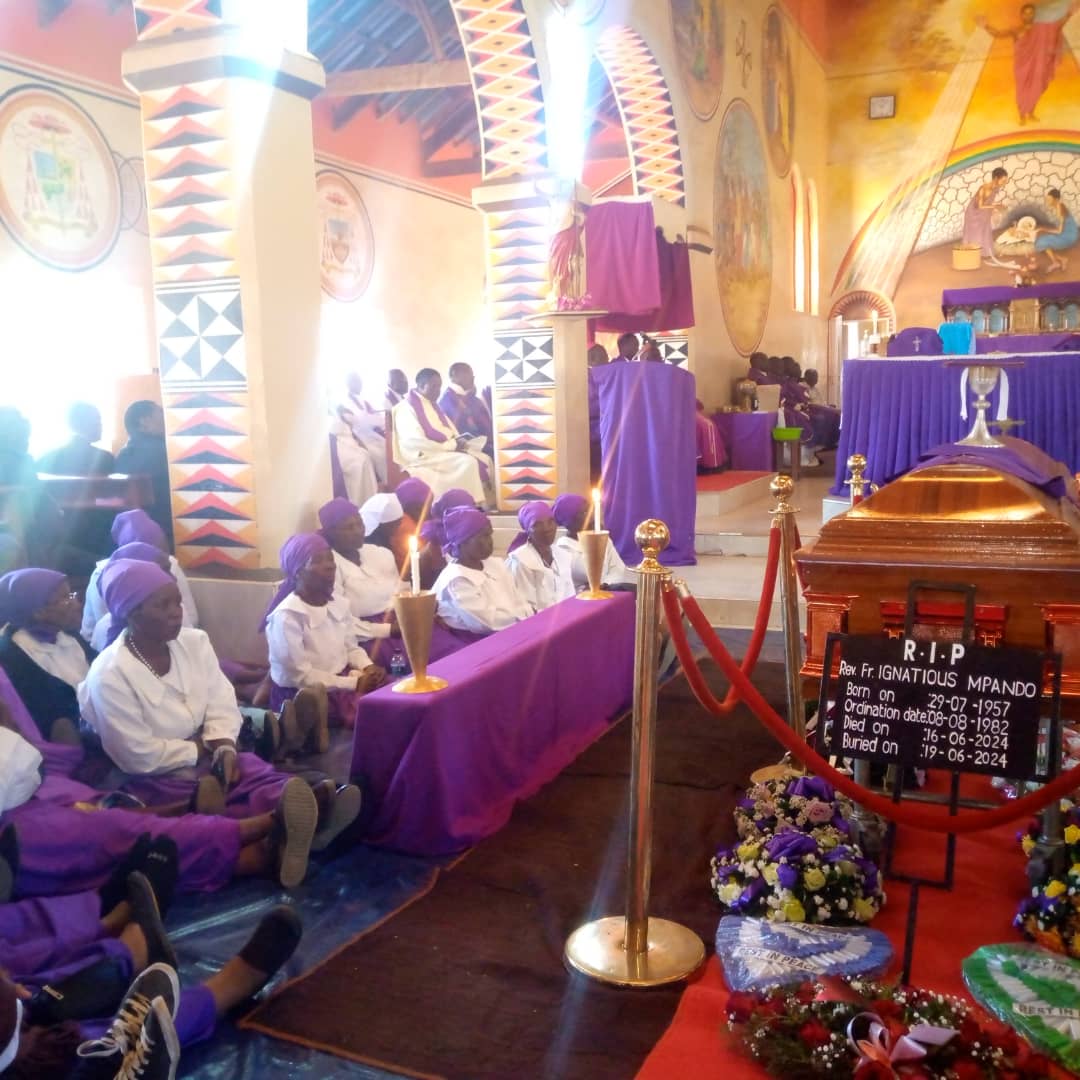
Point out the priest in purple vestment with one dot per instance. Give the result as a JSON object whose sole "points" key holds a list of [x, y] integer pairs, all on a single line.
{"points": [[466, 408]]}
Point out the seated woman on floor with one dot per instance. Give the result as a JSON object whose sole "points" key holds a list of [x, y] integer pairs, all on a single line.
{"points": [[476, 591], [168, 718], [136, 526], [314, 639], [73, 967], [433, 534], [140, 552], [542, 573], [386, 526], [415, 497], [572, 513], [41, 651]]}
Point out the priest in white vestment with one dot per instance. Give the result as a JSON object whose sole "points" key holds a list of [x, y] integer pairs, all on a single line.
{"points": [[428, 446], [368, 425]]}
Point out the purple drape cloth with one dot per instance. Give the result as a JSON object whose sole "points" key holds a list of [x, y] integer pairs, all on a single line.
{"points": [[420, 413], [896, 410], [1027, 343], [337, 476], [649, 455], [443, 771], [748, 439], [1002, 294], [1017, 458], [916, 341], [633, 272]]}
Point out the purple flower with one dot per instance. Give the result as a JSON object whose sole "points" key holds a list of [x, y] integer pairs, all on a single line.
{"points": [[842, 853], [811, 787], [840, 822], [787, 875], [745, 804], [747, 897], [791, 845]]}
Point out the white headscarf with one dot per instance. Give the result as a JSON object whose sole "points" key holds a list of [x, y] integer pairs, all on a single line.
{"points": [[19, 776], [380, 509]]}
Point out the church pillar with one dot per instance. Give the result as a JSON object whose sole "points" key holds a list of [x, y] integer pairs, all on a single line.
{"points": [[225, 90]]}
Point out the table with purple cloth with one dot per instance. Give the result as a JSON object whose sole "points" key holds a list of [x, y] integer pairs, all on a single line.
{"points": [[748, 439], [442, 771], [895, 410], [1003, 294], [1028, 343]]}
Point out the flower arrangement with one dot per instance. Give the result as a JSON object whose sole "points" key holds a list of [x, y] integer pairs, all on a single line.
{"points": [[862, 1030], [806, 803], [575, 303], [1050, 916], [793, 876]]}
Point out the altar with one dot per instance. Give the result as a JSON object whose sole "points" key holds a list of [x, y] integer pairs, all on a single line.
{"points": [[896, 409], [1052, 307]]}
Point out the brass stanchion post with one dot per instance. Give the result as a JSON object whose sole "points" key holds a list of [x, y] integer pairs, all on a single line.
{"points": [[635, 950], [782, 488]]}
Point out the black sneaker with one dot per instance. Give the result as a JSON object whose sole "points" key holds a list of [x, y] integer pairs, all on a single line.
{"points": [[208, 797], [9, 862], [157, 983], [268, 741], [294, 826], [147, 916], [157, 1052], [344, 809], [312, 713], [293, 734]]}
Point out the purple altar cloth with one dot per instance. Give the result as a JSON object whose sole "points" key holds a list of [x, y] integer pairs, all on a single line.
{"points": [[1017, 458], [896, 410], [649, 455], [1002, 294], [748, 439], [1024, 343], [445, 770]]}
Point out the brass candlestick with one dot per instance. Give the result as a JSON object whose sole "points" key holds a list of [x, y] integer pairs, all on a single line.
{"points": [[594, 548], [416, 617]]}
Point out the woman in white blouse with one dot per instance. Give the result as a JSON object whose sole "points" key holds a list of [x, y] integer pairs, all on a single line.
{"points": [[542, 573], [476, 591], [572, 513], [313, 637], [168, 718]]}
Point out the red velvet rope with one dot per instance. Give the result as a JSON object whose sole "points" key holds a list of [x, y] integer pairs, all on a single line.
{"points": [[757, 637], [916, 817]]}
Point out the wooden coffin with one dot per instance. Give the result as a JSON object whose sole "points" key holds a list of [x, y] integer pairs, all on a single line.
{"points": [[955, 524]]}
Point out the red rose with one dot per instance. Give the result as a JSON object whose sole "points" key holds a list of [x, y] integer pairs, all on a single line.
{"points": [[814, 1033], [873, 1070], [741, 1006], [886, 1009], [970, 1031]]}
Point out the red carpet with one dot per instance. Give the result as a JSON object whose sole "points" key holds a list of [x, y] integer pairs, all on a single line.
{"points": [[725, 481], [989, 883]]}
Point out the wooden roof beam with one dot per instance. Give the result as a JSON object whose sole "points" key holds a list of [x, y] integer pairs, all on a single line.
{"points": [[402, 78]]}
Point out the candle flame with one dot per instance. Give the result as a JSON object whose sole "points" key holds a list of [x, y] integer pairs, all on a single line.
{"points": [[413, 544]]}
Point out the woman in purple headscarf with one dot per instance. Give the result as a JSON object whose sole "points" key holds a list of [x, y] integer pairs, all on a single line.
{"points": [[41, 651], [135, 527], [314, 639], [168, 718], [415, 498], [433, 535], [476, 591], [542, 573], [572, 513]]}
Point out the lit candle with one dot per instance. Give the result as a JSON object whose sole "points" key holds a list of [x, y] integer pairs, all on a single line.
{"points": [[873, 321], [598, 517], [414, 559]]}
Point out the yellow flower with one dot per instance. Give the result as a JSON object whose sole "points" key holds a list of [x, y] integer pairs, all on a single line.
{"points": [[793, 911], [814, 879], [864, 910], [827, 840], [747, 852], [1074, 869], [1055, 888], [771, 875], [1072, 834], [1028, 844], [729, 893]]}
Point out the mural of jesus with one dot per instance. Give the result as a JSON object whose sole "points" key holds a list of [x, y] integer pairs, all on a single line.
{"points": [[1037, 47]]}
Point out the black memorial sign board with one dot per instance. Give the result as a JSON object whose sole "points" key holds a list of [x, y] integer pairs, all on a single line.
{"points": [[938, 704]]}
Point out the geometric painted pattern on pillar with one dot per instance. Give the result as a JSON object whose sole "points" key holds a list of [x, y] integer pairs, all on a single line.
{"points": [[517, 270], [648, 117], [506, 84], [525, 417], [675, 349], [156, 17]]}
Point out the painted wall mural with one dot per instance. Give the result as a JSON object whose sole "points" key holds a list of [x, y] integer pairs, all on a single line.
{"points": [[698, 26], [742, 229], [987, 127], [777, 91], [60, 194], [346, 242]]}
